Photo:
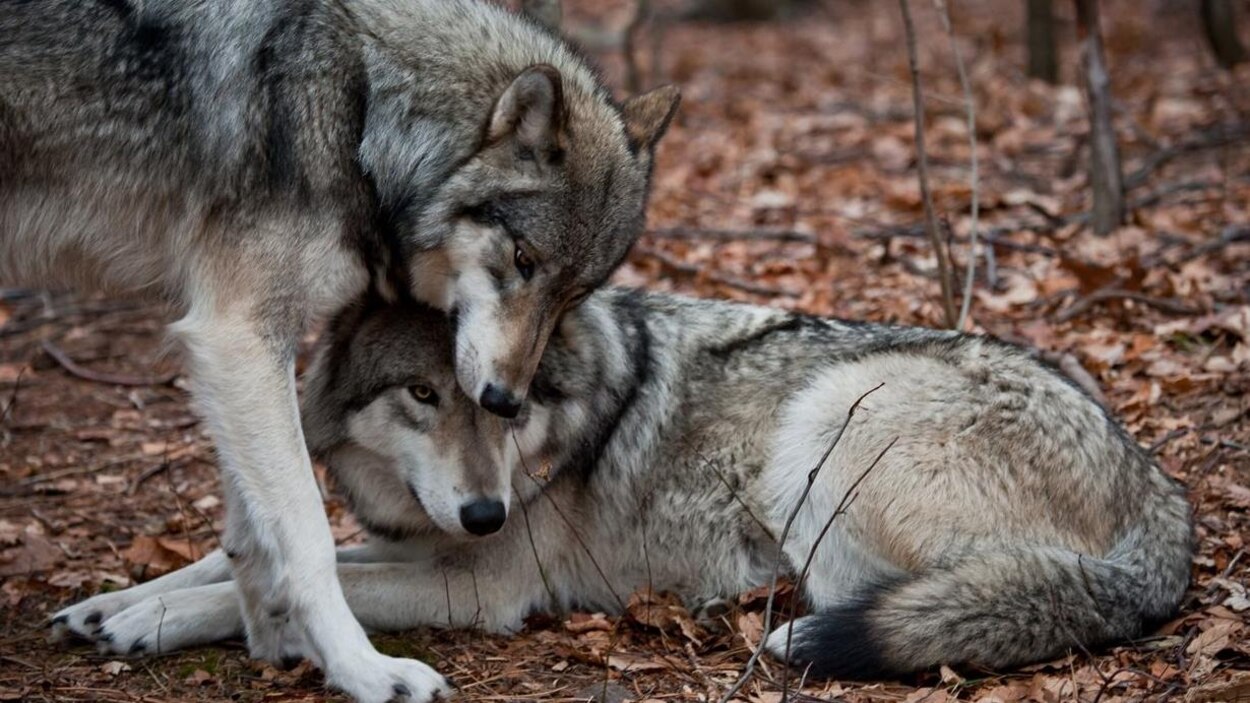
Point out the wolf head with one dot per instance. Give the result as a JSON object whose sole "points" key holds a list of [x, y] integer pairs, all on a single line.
{"points": [[540, 217], [409, 448], [511, 182]]}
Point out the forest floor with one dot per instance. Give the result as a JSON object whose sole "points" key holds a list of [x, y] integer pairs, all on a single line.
{"points": [[788, 179]]}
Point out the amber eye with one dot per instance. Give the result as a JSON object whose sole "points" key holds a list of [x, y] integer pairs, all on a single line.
{"points": [[524, 264], [423, 394]]}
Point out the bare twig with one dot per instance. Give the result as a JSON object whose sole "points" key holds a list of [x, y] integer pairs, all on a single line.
{"points": [[529, 532], [182, 512], [1170, 306], [992, 237], [569, 523], [749, 671], [1213, 138], [674, 264], [745, 506], [922, 161], [12, 402], [975, 177], [848, 497], [1072, 368], [1230, 235], [633, 74], [729, 235], [148, 473], [113, 379]]}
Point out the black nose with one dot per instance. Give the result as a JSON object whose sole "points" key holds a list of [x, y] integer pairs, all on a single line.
{"points": [[482, 517], [499, 401]]}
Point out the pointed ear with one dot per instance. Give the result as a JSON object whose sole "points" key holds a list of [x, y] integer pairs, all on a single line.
{"points": [[648, 115], [531, 110]]}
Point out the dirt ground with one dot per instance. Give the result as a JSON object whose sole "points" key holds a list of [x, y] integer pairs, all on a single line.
{"points": [[788, 179]]}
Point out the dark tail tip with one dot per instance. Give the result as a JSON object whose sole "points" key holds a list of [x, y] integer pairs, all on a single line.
{"points": [[838, 643]]}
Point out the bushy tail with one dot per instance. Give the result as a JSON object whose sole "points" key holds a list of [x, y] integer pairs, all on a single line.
{"points": [[1003, 608]]}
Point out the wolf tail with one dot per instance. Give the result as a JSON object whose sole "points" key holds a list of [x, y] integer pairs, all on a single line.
{"points": [[1004, 607]]}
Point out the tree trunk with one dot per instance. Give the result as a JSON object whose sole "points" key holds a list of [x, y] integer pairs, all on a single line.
{"points": [[1043, 63], [1105, 176], [1220, 22], [633, 72]]}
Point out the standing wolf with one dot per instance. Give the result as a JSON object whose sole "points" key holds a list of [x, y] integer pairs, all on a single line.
{"points": [[257, 163], [665, 443]]}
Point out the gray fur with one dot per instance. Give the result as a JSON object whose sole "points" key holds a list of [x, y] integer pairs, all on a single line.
{"points": [[259, 163], [1010, 520]]}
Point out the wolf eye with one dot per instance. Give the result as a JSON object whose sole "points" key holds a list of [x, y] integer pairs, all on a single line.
{"points": [[485, 214], [524, 264], [423, 394]]}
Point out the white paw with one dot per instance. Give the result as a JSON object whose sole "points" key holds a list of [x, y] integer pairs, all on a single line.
{"points": [[377, 678], [83, 620], [175, 620]]}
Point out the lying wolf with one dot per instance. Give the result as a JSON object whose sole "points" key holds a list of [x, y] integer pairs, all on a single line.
{"points": [[992, 513], [257, 164]]}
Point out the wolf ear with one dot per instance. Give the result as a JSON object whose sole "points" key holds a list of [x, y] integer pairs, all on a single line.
{"points": [[531, 110], [545, 12], [647, 115]]}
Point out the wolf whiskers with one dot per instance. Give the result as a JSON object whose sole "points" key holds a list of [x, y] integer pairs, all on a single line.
{"points": [[749, 671]]}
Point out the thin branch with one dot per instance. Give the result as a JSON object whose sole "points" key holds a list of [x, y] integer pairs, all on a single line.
{"points": [[1072, 368], [848, 497], [12, 403], [529, 532], [679, 266], [930, 216], [1211, 138], [745, 506], [568, 523], [1170, 306], [1230, 235], [992, 237], [749, 671], [731, 235], [113, 379], [975, 178]]}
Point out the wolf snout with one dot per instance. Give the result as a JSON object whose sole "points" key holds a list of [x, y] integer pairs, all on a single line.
{"points": [[500, 401], [483, 517]]}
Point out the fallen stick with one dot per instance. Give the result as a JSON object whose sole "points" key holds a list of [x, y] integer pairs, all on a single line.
{"points": [[732, 235], [679, 266], [113, 379], [1167, 305]]}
